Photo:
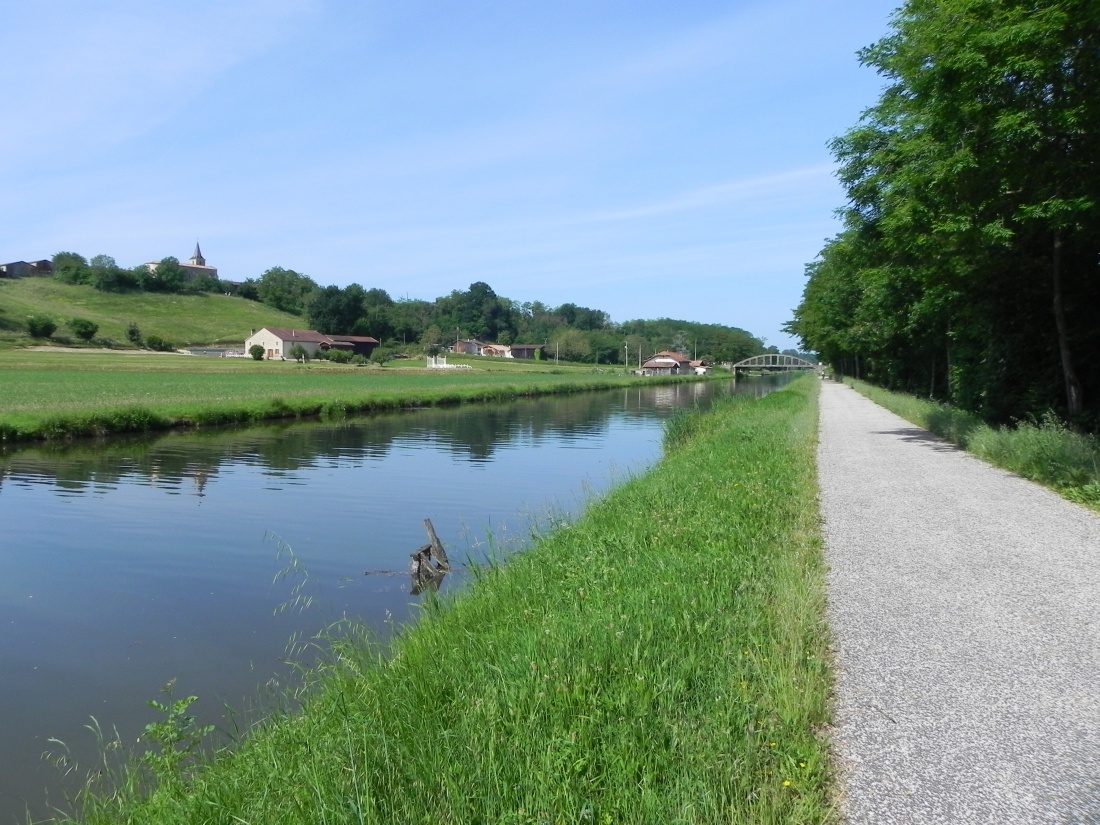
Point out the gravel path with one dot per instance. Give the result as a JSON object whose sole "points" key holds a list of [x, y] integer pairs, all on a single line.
{"points": [[963, 602]]}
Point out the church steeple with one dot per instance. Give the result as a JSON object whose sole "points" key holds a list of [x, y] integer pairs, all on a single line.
{"points": [[196, 257]]}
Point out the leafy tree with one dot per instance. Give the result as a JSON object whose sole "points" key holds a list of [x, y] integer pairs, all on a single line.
{"points": [[83, 329], [70, 268], [168, 276], [410, 318], [378, 317], [248, 290], [333, 310], [432, 340], [285, 289], [41, 326], [571, 345], [968, 262], [478, 312], [257, 352], [107, 276], [298, 353], [205, 283], [380, 356]]}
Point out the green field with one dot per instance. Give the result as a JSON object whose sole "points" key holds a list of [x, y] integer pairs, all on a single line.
{"points": [[184, 320], [83, 393], [662, 660]]}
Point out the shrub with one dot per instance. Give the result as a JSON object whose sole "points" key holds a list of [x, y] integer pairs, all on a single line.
{"points": [[41, 326], [133, 334], [380, 356], [338, 356], [155, 342], [83, 329], [257, 352]]}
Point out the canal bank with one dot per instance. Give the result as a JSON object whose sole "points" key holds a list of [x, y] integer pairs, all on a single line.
{"points": [[661, 659]]}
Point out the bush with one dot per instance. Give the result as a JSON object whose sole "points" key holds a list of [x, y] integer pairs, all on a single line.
{"points": [[83, 329], [41, 326], [155, 342], [380, 356], [133, 334], [257, 352], [337, 356]]}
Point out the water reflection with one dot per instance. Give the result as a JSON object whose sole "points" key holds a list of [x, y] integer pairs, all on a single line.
{"points": [[182, 463]]}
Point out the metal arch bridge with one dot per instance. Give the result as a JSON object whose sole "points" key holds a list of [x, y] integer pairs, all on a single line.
{"points": [[772, 361]]}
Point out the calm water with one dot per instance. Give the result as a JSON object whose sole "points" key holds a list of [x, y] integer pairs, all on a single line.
{"points": [[131, 563]]}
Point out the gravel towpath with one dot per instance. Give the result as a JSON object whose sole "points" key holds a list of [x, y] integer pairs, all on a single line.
{"points": [[963, 602]]}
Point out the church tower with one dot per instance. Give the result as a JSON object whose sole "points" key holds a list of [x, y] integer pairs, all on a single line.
{"points": [[196, 257]]}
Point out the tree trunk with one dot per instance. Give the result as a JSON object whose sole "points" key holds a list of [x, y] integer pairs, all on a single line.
{"points": [[1074, 401]]}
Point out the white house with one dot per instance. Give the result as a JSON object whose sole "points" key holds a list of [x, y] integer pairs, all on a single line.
{"points": [[667, 363], [277, 341]]}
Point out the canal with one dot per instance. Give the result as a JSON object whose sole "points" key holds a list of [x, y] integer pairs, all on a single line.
{"points": [[212, 560]]}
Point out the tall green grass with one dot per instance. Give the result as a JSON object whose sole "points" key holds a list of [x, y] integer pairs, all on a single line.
{"points": [[661, 660], [1045, 451]]}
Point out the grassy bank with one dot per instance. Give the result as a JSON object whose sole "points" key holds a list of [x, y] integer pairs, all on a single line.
{"points": [[65, 395], [1044, 451], [182, 319], [661, 660]]}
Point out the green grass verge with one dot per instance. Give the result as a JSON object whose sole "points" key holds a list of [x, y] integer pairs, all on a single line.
{"points": [[1044, 451], [51, 395], [662, 660]]}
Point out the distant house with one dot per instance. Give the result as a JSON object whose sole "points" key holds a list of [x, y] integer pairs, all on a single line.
{"points": [[468, 346], [527, 352], [471, 346], [355, 344], [23, 269], [277, 342], [667, 363], [700, 367]]}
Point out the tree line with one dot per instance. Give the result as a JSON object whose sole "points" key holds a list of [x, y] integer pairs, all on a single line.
{"points": [[569, 332], [967, 267]]}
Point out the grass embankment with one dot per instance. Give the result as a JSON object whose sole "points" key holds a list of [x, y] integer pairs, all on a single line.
{"points": [[661, 660], [1043, 451], [64, 395], [184, 320]]}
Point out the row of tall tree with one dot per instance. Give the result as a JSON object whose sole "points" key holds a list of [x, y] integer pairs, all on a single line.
{"points": [[968, 268], [569, 332]]}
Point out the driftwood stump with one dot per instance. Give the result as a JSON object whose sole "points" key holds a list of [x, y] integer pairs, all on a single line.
{"points": [[427, 575]]}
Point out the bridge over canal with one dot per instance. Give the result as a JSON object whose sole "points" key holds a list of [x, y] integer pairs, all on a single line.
{"points": [[773, 361]]}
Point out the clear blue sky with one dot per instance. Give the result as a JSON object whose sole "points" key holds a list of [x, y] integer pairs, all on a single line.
{"points": [[650, 159]]}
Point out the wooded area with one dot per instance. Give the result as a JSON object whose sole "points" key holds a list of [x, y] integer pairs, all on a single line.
{"points": [[967, 269]]}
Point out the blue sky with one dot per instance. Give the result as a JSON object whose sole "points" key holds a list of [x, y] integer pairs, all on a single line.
{"points": [[650, 159]]}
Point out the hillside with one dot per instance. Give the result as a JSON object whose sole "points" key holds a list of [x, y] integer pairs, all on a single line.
{"points": [[185, 320]]}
